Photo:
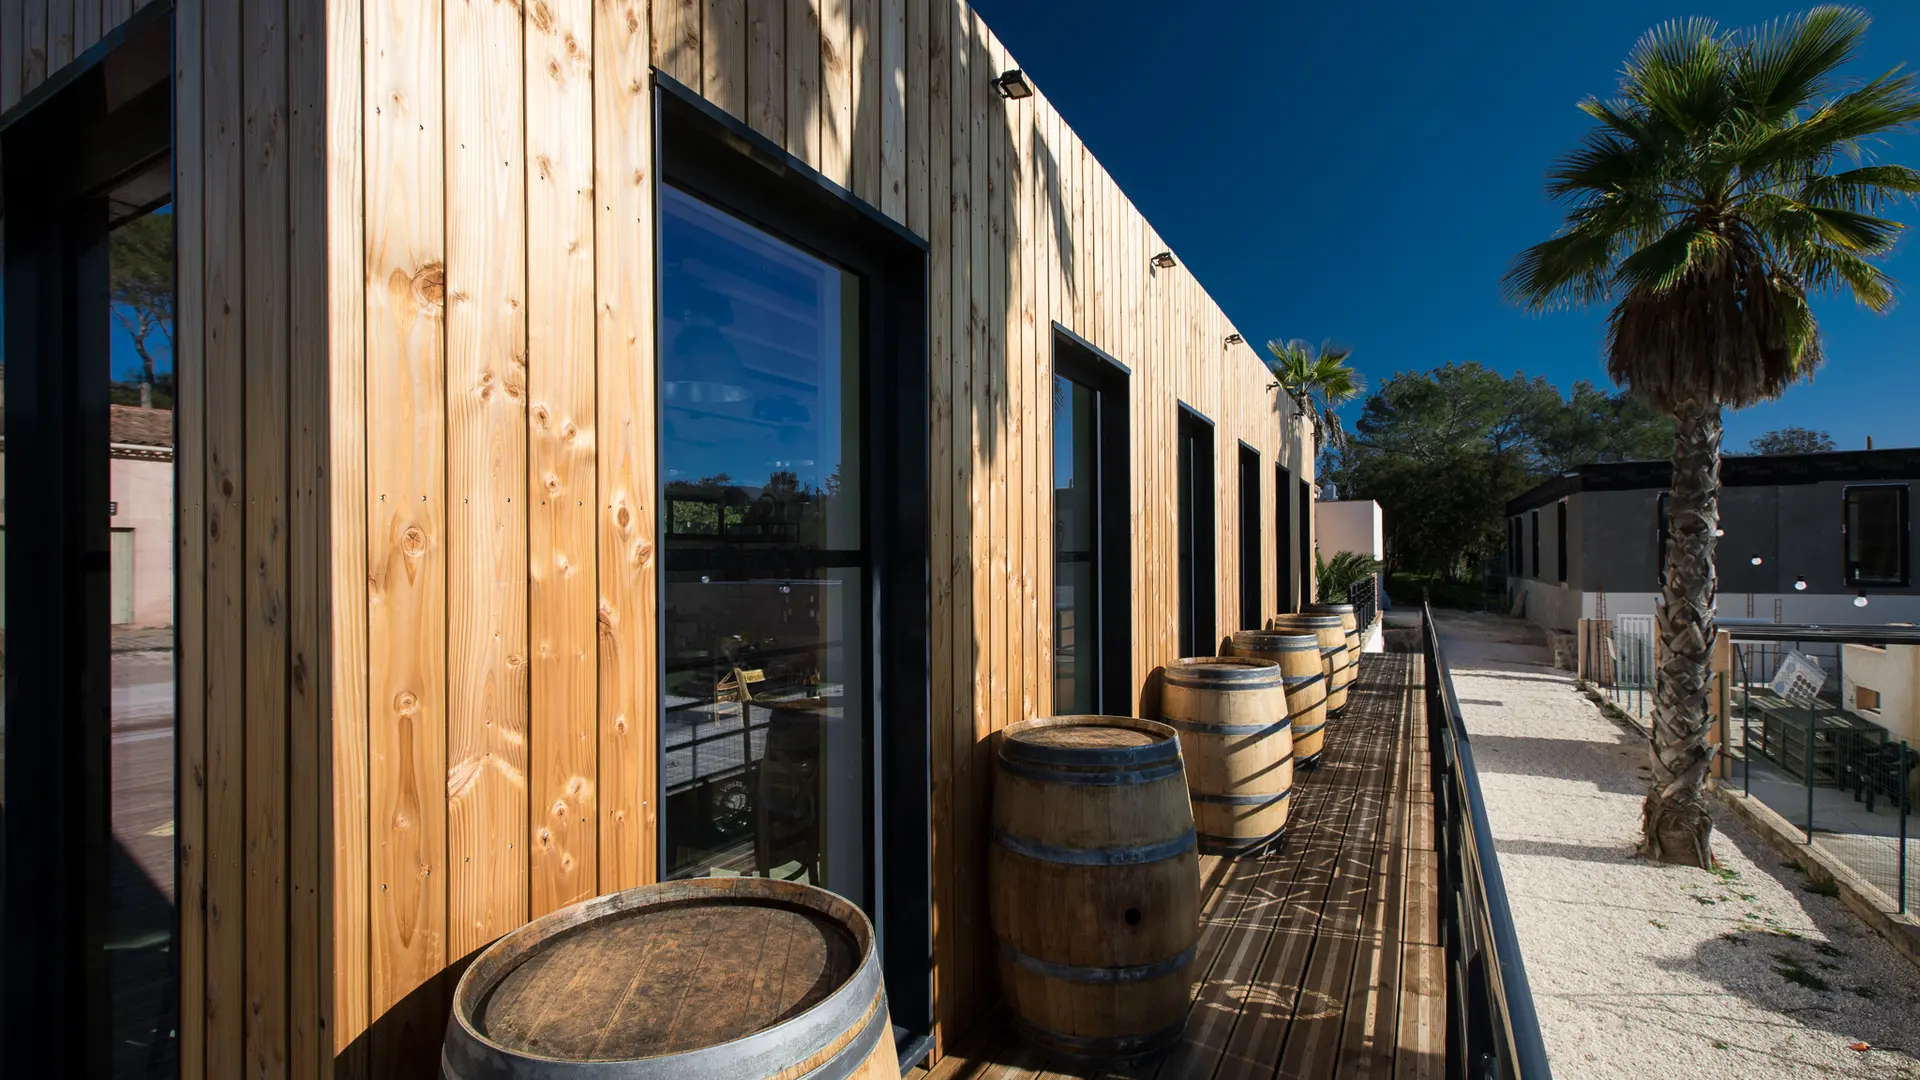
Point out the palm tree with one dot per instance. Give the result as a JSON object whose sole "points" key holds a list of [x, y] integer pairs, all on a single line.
{"points": [[1317, 380], [1730, 179]]}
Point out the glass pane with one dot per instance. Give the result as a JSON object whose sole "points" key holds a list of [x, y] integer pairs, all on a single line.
{"points": [[764, 726], [1075, 502], [1876, 534], [140, 608]]}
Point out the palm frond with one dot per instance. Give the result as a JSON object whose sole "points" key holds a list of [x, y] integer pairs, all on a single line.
{"points": [[1792, 59], [1868, 189], [1832, 272], [1678, 70]]}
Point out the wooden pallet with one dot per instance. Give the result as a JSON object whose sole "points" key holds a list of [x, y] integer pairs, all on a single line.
{"points": [[1321, 959]]}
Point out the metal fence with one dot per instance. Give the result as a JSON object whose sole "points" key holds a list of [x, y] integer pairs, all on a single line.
{"points": [[1492, 1029], [1364, 595], [1797, 733]]}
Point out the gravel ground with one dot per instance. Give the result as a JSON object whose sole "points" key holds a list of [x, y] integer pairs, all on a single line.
{"points": [[1641, 970]]}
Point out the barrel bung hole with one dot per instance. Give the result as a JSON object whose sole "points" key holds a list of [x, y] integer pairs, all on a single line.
{"points": [[1132, 916]]}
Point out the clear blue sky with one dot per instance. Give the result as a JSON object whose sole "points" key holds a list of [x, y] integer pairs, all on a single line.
{"points": [[1363, 171]]}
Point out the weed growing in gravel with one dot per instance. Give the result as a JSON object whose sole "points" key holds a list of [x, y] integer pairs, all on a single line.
{"points": [[1656, 924], [1718, 1045], [1723, 872]]}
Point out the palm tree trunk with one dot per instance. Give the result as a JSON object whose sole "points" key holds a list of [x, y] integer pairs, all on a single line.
{"points": [[1675, 822]]}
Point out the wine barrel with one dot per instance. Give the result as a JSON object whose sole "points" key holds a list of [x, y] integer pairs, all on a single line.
{"points": [[1231, 713], [786, 976], [1350, 623], [1300, 659], [1094, 884], [1333, 648]]}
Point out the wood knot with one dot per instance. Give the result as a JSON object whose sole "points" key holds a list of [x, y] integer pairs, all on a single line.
{"points": [[413, 542], [623, 517], [405, 702], [430, 286]]}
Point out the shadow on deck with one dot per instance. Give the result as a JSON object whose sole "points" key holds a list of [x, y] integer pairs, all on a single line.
{"points": [[1324, 958]]}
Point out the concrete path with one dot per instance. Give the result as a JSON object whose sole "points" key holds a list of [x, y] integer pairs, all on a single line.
{"points": [[1641, 970]]}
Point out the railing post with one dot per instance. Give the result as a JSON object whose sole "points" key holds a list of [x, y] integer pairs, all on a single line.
{"points": [[1900, 777], [1806, 769]]}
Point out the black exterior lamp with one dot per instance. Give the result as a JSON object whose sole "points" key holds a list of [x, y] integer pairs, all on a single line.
{"points": [[1013, 85]]}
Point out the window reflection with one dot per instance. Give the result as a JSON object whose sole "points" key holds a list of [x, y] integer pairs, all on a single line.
{"points": [[1076, 625], [763, 732]]}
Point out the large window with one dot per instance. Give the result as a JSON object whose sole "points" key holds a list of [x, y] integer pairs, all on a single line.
{"points": [[1250, 614], [1091, 640], [1534, 521], [1282, 537], [1194, 462], [1560, 536], [1307, 582], [763, 731], [1663, 533], [1875, 531]]}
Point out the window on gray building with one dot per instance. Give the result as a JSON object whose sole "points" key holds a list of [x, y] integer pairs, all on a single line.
{"points": [[1874, 534], [1560, 535]]}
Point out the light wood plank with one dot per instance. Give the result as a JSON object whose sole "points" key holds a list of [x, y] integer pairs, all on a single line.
{"points": [[943, 537], [487, 670], [1000, 461], [1018, 362], [59, 35], [310, 971], [723, 55], [33, 35], [803, 80], [562, 496], [190, 576], [406, 534], [836, 91], [628, 471], [348, 927], [887, 66], [264, 251], [969, 868], [86, 24], [767, 68], [916, 106], [863, 51], [988, 699], [225, 303], [676, 40], [13, 53]]}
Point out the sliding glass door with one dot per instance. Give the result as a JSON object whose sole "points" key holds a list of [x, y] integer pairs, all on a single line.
{"points": [[1194, 457], [1091, 559]]}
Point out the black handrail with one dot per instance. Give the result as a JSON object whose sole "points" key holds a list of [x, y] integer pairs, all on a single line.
{"points": [[1493, 1032], [1364, 595]]}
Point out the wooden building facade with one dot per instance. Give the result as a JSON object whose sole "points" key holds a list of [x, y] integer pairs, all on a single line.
{"points": [[421, 491]]}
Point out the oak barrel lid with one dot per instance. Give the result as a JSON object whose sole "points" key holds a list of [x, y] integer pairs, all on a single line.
{"points": [[718, 972], [1281, 622], [1337, 609], [1275, 641], [1224, 673], [1093, 741]]}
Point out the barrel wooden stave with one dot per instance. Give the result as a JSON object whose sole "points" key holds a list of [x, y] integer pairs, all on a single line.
{"points": [[1304, 667], [1235, 735], [1333, 649], [1093, 958], [1350, 623], [583, 992]]}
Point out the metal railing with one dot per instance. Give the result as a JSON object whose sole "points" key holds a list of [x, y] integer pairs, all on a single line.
{"points": [[1364, 595], [1493, 1032]]}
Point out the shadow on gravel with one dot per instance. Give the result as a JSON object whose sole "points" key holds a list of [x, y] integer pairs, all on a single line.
{"points": [[1608, 766], [1592, 853]]}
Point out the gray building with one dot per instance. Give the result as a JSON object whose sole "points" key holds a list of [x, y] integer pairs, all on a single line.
{"points": [[1805, 538]]}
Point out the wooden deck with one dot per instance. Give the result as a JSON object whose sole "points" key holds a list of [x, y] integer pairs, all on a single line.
{"points": [[1324, 958]]}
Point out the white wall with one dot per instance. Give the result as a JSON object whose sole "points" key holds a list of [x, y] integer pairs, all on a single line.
{"points": [[1350, 526], [1893, 672]]}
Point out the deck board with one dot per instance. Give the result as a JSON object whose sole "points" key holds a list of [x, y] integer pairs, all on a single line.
{"points": [[1322, 958]]}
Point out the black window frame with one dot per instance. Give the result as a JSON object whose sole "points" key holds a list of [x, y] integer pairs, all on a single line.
{"points": [[702, 151], [1560, 537], [1535, 522], [1078, 360], [1282, 537], [1308, 583], [1250, 544], [1195, 557], [1850, 570], [1663, 535]]}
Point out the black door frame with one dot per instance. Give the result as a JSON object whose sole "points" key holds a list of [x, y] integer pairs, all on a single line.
{"points": [[704, 151], [65, 147], [1283, 537], [1077, 360], [1199, 598], [1251, 617]]}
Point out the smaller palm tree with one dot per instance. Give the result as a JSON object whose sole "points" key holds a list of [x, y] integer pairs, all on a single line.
{"points": [[1337, 576], [1318, 381]]}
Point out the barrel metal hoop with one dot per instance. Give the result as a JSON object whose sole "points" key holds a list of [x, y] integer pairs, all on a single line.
{"points": [[1116, 856], [1311, 761], [1294, 682], [1235, 845], [1230, 674], [1099, 1050], [1198, 728], [1093, 779], [1308, 729], [1108, 976], [851, 1056], [1243, 800]]}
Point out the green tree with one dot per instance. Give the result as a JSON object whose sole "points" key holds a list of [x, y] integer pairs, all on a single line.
{"points": [[140, 286], [1592, 425], [1728, 180], [1792, 440], [1318, 381]]}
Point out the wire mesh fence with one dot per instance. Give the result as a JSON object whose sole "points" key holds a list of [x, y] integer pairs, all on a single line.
{"points": [[1794, 732]]}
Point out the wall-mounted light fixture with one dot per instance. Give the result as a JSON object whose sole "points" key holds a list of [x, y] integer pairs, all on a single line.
{"points": [[1860, 598], [1800, 584], [1164, 260], [1719, 532], [1756, 560], [1013, 85], [1235, 339]]}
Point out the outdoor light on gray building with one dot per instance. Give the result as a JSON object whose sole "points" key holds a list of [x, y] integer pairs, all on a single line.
{"points": [[1755, 560], [1800, 583], [1860, 598], [1164, 260], [1013, 85]]}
